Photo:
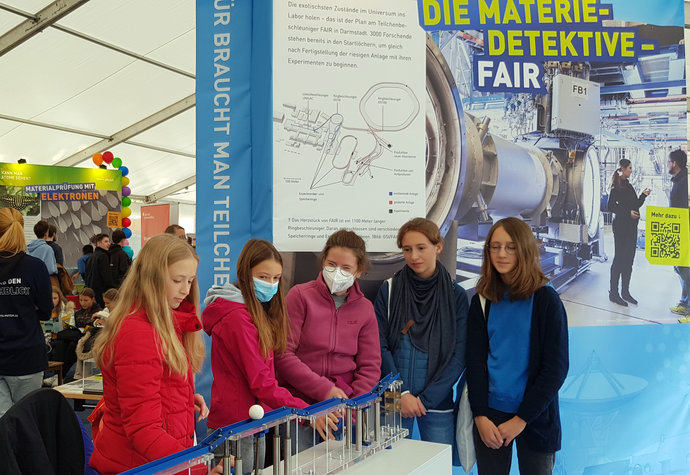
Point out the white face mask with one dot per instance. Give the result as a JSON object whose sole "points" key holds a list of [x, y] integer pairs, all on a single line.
{"points": [[337, 279]]}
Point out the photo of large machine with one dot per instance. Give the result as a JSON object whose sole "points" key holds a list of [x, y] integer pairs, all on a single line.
{"points": [[546, 158]]}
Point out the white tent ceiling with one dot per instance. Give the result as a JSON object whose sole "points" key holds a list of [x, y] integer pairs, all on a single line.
{"points": [[85, 76]]}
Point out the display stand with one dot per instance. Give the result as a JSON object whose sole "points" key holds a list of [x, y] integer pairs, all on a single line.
{"points": [[370, 424]]}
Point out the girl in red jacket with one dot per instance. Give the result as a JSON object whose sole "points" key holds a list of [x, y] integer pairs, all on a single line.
{"points": [[148, 353], [248, 324]]}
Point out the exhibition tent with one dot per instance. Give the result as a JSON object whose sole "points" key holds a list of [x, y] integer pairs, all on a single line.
{"points": [[86, 76]]}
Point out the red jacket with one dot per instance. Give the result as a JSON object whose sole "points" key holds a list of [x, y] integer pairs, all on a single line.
{"points": [[149, 410], [242, 376], [329, 347]]}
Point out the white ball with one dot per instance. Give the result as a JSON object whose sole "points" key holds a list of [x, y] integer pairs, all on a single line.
{"points": [[256, 412]]}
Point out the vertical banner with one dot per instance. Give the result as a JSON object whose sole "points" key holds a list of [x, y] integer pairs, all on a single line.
{"points": [[233, 126], [233, 139], [349, 134]]}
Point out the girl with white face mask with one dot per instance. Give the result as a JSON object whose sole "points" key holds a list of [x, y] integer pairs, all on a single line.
{"points": [[333, 343]]}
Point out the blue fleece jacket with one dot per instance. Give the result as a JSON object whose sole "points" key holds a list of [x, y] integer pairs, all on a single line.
{"points": [[40, 249]]}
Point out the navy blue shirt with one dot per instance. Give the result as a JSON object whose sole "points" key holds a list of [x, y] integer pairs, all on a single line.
{"points": [[26, 299]]}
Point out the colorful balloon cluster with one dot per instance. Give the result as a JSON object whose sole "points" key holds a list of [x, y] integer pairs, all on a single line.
{"points": [[116, 162]]}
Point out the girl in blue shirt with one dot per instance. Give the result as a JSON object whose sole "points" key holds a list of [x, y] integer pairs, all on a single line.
{"points": [[517, 355]]}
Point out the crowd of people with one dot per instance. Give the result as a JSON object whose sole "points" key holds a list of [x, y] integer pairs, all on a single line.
{"points": [[275, 346]]}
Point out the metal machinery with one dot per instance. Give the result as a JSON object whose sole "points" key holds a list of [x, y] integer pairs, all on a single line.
{"points": [[549, 177], [547, 158], [565, 146]]}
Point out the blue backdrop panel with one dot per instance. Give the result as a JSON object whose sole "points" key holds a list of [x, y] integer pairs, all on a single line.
{"points": [[234, 145]]}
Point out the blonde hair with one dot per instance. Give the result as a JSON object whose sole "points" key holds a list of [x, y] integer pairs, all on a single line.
{"points": [[272, 325], [145, 287], [527, 275], [12, 231]]}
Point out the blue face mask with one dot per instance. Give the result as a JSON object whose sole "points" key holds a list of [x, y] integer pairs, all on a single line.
{"points": [[263, 290]]}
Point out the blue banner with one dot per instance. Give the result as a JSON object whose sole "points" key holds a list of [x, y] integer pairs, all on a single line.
{"points": [[233, 140], [233, 105]]}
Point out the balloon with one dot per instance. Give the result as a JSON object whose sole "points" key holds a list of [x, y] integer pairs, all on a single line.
{"points": [[97, 159], [128, 232], [126, 201], [117, 162], [126, 191], [126, 222], [108, 157], [124, 171], [126, 212], [125, 181], [125, 242]]}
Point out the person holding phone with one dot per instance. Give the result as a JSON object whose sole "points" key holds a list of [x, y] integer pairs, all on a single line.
{"points": [[625, 204]]}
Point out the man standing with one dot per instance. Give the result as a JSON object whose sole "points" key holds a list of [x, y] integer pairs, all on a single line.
{"points": [[40, 249], [677, 167], [52, 242], [98, 272], [119, 260]]}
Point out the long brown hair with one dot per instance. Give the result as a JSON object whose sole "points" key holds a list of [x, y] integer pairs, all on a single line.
{"points": [[272, 325], [12, 238], [527, 274], [145, 287]]}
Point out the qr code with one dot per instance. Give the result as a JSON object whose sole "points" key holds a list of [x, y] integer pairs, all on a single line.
{"points": [[113, 220], [664, 240]]}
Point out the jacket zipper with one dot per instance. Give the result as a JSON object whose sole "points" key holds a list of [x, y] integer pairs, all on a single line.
{"points": [[411, 368]]}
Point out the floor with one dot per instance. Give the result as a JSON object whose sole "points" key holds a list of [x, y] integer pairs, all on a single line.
{"points": [[655, 287]]}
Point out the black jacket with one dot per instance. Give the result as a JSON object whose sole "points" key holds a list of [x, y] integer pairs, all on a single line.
{"points": [[100, 277], [25, 298], [622, 200], [41, 434], [119, 263], [59, 256], [678, 197], [546, 372]]}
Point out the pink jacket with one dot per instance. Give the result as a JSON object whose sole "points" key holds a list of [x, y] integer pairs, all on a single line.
{"points": [[329, 347], [241, 375], [149, 411]]}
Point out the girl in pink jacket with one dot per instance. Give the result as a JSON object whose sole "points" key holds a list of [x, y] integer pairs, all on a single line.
{"points": [[248, 324]]}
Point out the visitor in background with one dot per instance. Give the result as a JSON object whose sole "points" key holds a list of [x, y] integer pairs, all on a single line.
{"points": [[63, 311], [86, 251], [52, 242], [119, 260], [517, 355], [177, 231], [100, 277], [422, 318], [26, 301], [40, 249]]}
